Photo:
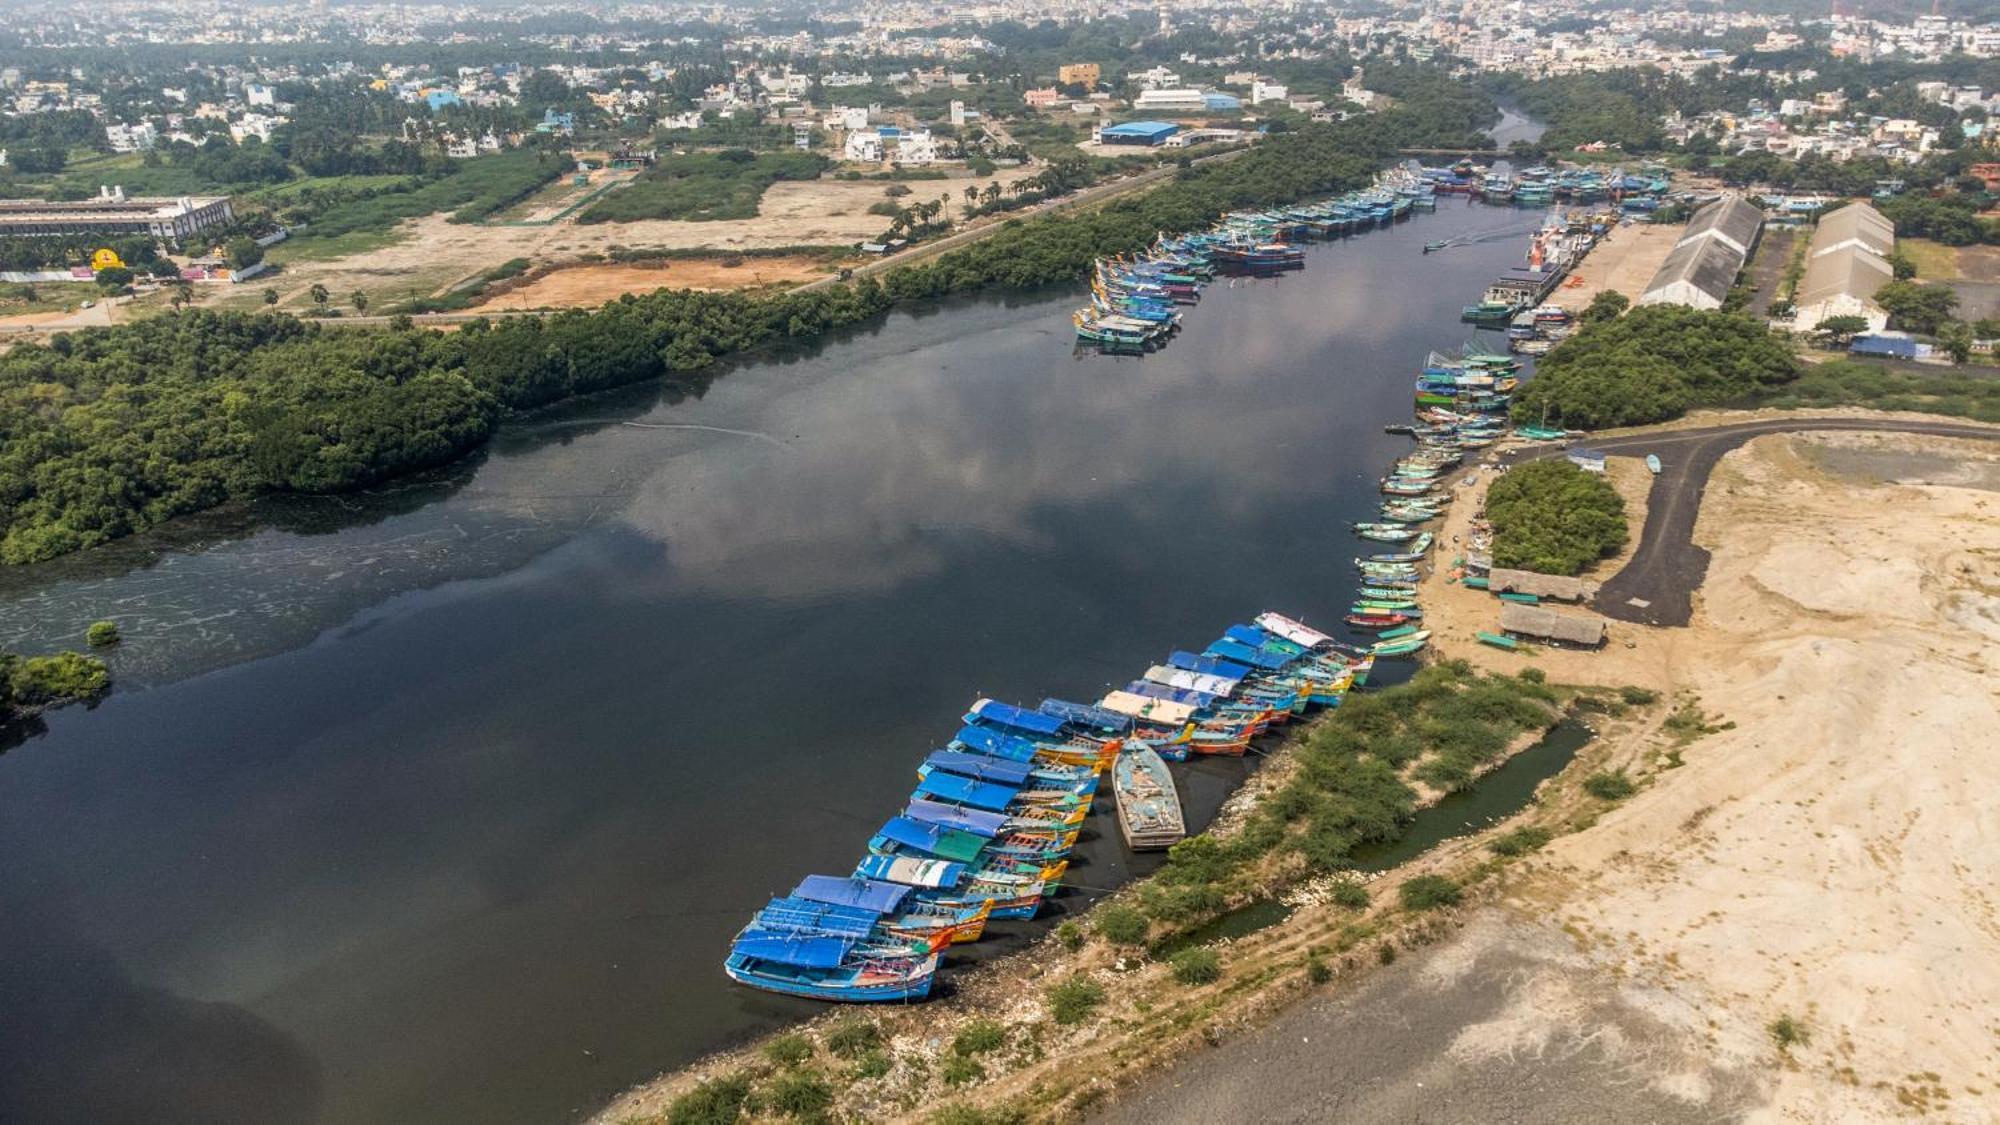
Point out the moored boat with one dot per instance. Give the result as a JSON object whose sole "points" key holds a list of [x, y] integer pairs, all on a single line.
{"points": [[1149, 807]]}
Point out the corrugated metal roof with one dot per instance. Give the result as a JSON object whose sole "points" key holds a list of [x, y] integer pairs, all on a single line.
{"points": [[1708, 264], [1735, 218], [1857, 221], [1851, 271]]}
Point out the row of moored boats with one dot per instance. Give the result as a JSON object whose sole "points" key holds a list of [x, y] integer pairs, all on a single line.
{"points": [[987, 831], [1136, 300]]}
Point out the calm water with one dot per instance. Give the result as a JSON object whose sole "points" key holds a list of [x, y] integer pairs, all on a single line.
{"points": [[442, 804]]}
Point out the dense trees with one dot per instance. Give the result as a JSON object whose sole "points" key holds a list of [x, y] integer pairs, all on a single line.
{"points": [[704, 185], [1554, 518], [1917, 308], [1652, 364]]}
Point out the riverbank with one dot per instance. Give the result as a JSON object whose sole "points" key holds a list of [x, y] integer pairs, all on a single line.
{"points": [[1792, 917], [1144, 1013]]}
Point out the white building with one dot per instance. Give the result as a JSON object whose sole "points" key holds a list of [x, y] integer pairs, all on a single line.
{"points": [[1175, 100], [1159, 78], [257, 94], [1847, 262], [916, 148], [1261, 92], [132, 138], [863, 146]]}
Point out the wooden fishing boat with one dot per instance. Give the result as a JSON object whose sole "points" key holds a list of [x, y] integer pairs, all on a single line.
{"points": [[1149, 807], [1498, 640], [827, 966], [1402, 646], [1374, 622]]}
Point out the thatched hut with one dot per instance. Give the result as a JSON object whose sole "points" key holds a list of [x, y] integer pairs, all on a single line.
{"points": [[1546, 624], [1503, 581]]}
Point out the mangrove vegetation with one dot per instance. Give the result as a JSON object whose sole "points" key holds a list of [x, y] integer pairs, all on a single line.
{"points": [[1554, 518]]}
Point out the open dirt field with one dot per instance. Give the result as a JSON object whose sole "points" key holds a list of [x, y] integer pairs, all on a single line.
{"points": [[432, 254], [582, 286], [1624, 261], [1821, 851]]}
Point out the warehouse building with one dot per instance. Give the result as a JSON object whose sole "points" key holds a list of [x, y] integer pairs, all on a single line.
{"points": [[1847, 263], [1703, 264], [111, 213], [1147, 133]]}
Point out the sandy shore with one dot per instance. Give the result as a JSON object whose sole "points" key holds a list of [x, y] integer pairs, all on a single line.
{"points": [[1822, 852]]}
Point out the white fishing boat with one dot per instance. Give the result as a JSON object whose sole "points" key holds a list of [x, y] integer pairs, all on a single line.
{"points": [[1149, 807]]}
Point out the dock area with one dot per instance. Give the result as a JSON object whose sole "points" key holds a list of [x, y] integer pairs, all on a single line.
{"points": [[1623, 261]]}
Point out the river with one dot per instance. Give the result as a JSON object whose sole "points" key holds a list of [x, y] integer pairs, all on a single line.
{"points": [[442, 803]]}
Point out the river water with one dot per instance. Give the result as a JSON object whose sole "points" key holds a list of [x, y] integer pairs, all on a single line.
{"points": [[441, 804]]}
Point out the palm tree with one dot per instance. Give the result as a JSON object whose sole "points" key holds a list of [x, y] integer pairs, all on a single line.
{"points": [[971, 196], [183, 293], [993, 193], [319, 294], [360, 301]]}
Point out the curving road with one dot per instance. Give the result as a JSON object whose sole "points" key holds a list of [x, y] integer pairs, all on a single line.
{"points": [[1657, 586]]}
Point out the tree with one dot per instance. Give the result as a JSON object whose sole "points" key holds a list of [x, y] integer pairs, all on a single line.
{"points": [[116, 277], [1608, 305], [360, 301], [1902, 265], [1955, 336], [163, 269], [183, 293], [1840, 330], [1917, 308], [270, 296], [319, 294], [244, 252]]}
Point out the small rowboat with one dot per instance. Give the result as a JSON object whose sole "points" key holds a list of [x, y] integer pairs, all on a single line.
{"points": [[1653, 462]]}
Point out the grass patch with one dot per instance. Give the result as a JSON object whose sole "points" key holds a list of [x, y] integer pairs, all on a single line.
{"points": [[1317, 970], [972, 1115], [703, 186], [1610, 786], [789, 1050], [853, 1037], [872, 1064], [1687, 723], [1521, 841], [978, 1038], [718, 1101], [800, 1094], [478, 188], [1638, 696], [1121, 925], [1351, 895], [1069, 935], [1429, 892], [1072, 1001], [1934, 260], [1788, 1032], [1847, 383], [1197, 966], [958, 1070]]}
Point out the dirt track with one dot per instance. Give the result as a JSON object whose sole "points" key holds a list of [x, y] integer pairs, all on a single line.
{"points": [[1668, 567]]}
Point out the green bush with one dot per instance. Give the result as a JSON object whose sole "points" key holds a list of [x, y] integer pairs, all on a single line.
{"points": [[789, 1050], [1429, 892], [1638, 696], [718, 1101], [1612, 786], [1351, 895], [872, 1064], [853, 1037], [1069, 935], [961, 1069], [799, 1094], [1196, 965], [1120, 924], [1521, 841], [1554, 518], [979, 1037], [101, 634], [1317, 970], [61, 678], [1072, 1000], [1787, 1033]]}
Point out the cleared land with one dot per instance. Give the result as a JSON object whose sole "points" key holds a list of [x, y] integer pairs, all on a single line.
{"points": [[1815, 849], [1623, 262], [578, 286]]}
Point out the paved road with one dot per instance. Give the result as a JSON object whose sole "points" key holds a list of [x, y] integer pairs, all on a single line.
{"points": [[1668, 567]]}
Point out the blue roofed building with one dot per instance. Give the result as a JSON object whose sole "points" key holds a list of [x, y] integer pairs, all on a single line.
{"points": [[1144, 133], [1222, 103], [438, 99]]}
